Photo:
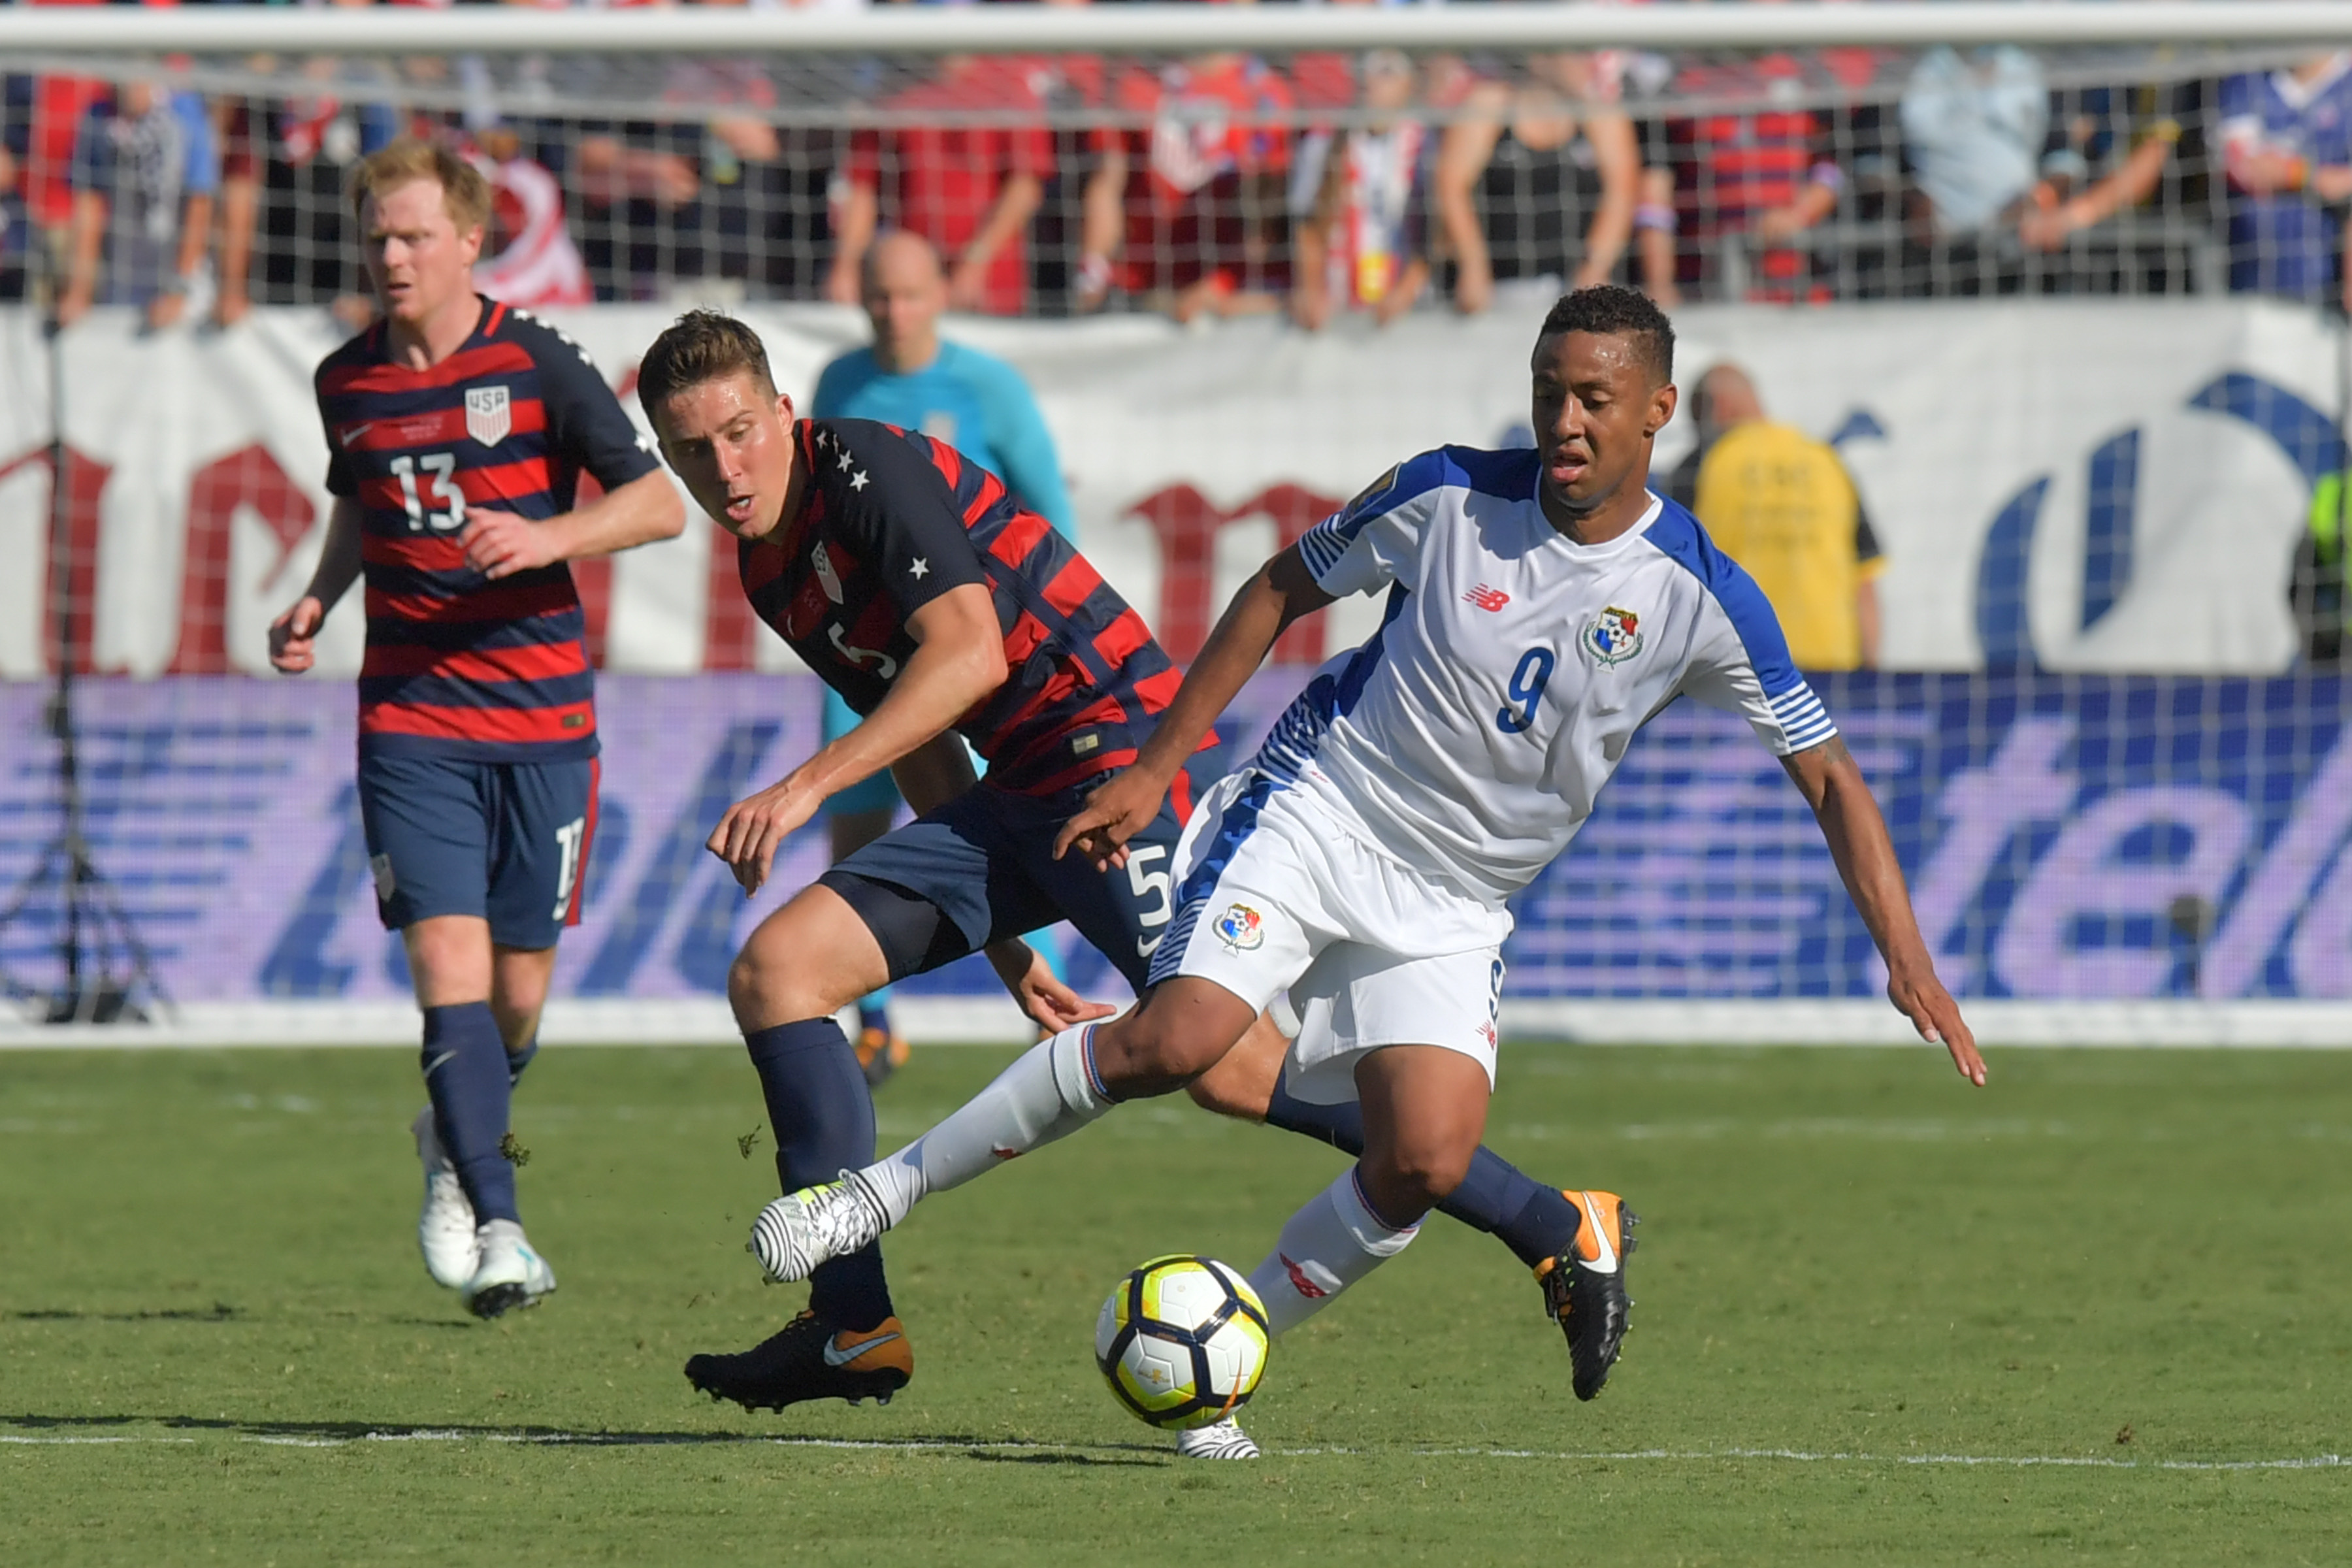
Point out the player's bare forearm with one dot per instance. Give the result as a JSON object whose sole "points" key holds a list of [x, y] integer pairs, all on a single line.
{"points": [[1281, 591], [339, 555], [639, 512], [934, 773], [1832, 784]]}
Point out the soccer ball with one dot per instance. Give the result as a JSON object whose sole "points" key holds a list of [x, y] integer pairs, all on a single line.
{"points": [[1183, 1342]]}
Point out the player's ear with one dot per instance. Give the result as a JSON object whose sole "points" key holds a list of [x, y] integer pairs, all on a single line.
{"points": [[784, 410], [1662, 402]]}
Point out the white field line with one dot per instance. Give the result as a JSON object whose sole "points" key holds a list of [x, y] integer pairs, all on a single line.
{"points": [[949, 1445]]}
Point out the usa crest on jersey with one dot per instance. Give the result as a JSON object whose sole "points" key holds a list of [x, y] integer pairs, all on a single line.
{"points": [[489, 414]]}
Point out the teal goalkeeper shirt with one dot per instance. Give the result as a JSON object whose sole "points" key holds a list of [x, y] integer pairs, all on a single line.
{"points": [[974, 402]]}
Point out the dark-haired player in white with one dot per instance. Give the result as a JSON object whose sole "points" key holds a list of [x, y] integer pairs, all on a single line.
{"points": [[920, 590], [1542, 606]]}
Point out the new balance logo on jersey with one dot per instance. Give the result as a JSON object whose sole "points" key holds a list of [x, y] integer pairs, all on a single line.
{"points": [[1487, 598]]}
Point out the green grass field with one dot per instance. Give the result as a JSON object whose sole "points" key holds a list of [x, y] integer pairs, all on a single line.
{"points": [[2100, 1311]]}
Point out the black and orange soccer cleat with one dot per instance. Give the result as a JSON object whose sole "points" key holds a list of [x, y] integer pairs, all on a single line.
{"points": [[881, 1053], [1584, 1288], [809, 1359]]}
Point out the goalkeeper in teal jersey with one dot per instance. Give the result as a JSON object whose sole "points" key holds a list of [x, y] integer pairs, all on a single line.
{"points": [[976, 404]]}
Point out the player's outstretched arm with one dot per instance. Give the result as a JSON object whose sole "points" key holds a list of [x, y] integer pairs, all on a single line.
{"points": [[959, 659], [293, 636], [1281, 591], [1833, 786], [499, 543]]}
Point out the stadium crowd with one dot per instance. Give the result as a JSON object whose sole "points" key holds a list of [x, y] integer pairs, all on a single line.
{"points": [[1221, 184]]}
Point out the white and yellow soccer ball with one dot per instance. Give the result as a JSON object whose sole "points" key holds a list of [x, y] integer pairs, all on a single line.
{"points": [[1183, 1342]]}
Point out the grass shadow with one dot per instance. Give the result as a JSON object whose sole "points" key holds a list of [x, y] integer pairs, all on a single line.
{"points": [[1002, 1451], [218, 1312]]}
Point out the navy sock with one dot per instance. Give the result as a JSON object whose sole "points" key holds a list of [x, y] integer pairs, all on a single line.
{"points": [[465, 1062], [518, 1060], [823, 1116], [1534, 1221]]}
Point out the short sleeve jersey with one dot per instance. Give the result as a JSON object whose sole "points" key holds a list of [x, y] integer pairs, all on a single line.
{"points": [[457, 665], [894, 520], [1470, 735]]}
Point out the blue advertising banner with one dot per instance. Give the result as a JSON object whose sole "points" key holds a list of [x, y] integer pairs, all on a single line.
{"points": [[2065, 836]]}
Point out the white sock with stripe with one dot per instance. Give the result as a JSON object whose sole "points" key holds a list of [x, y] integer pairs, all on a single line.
{"points": [[1049, 1093], [1326, 1247]]}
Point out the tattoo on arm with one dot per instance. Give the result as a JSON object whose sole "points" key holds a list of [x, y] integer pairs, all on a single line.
{"points": [[1831, 752]]}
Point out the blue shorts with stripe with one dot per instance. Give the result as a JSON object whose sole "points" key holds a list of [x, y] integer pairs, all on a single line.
{"points": [[981, 868], [507, 842]]}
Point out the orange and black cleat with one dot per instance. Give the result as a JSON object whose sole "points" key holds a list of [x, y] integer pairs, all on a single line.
{"points": [[1584, 1288], [810, 1359], [881, 1053]]}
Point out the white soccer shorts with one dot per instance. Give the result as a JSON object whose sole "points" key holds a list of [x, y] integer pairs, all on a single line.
{"points": [[1283, 895]]}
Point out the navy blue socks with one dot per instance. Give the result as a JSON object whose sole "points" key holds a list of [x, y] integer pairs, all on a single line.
{"points": [[1534, 1221], [465, 1062], [822, 1117], [518, 1060]]}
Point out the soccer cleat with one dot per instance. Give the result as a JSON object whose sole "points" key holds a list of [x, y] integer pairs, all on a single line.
{"points": [[1219, 1440], [512, 1274], [813, 1225], [881, 1053], [444, 1226], [1584, 1288], [809, 1359]]}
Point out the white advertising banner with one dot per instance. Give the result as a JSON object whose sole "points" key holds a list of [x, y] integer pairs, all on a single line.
{"points": [[2091, 486]]}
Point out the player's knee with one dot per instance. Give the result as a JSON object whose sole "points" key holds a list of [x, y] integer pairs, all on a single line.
{"points": [[1142, 1055], [1425, 1171], [1217, 1092]]}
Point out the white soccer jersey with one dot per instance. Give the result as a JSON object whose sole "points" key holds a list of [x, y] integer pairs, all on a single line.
{"points": [[1469, 735]]}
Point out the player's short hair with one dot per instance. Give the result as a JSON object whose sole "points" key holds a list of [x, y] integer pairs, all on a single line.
{"points": [[699, 346], [465, 193], [1607, 310]]}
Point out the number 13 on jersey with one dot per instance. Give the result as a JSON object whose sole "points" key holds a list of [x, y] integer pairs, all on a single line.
{"points": [[1527, 688]]}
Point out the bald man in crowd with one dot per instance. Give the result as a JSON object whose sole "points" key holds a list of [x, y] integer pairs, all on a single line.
{"points": [[975, 403], [1784, 506]]}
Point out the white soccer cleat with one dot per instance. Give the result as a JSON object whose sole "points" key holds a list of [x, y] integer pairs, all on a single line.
{"points": [[512, 1274], [1220, 1440], [444, 1226], [813, 1225]]}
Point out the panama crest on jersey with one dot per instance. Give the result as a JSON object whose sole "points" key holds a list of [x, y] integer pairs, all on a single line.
{"points": [[489, 414], [1614, 636], [1241, 928]]}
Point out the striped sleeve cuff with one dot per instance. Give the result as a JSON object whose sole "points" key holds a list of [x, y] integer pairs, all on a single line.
{"points": [[1322, 545], [1804, 722]]}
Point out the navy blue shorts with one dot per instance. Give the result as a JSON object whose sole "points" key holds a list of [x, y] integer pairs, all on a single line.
{"points": [[506, 841], [982, 868]]}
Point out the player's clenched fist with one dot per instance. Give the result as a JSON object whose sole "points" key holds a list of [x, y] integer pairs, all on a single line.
{"points": [[755, 828], [293, 636], [499, 543]]}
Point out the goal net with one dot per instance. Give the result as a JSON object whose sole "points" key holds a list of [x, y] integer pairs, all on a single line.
{"points": [[2052, 295]]}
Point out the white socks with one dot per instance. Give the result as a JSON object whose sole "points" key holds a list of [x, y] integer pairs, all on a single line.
{"points": [[1050, 1092], [1327, 1245]]}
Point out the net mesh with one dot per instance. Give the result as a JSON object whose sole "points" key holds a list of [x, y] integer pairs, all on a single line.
{"points": [[1839, 174], [2055, 313]]}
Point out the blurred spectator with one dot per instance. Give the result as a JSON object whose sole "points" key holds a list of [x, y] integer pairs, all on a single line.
{"points": [[1357, 205], [1772, 174], [528, 258], [970, 190], [146, 170], [17, 241], [1977, 131], [243, 130], [911, 378], [2286, 138], [1187, 214], [1534, 158], [1784, 506]]}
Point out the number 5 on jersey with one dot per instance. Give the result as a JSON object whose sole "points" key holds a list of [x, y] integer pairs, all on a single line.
{"points": [[1528, 680]]}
